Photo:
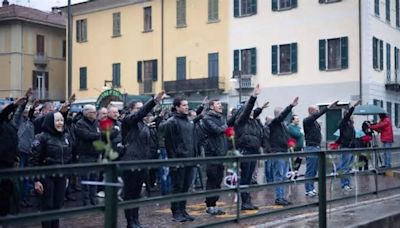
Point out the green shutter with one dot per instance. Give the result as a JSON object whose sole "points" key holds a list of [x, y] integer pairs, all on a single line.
{"points": [[388, 59], [253, 67], [375, 53], [396, 60], [387, 10], [236, 56], [397, 13], [293, 57], [139, 72], [377, 7], [274, 59], [322, 54], [154, 70], [274, 5], [294, 3], [82, 78], [380, 54], [321, 1], [236, 12], [253, 6], [344, 43]]}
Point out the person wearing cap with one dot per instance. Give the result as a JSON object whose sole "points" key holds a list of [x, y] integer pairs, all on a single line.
{"points": [[384, 126]]}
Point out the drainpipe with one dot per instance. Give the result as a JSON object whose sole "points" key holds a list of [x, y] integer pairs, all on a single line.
{"points": [[360, 46], [69, 63], [162, 44]]}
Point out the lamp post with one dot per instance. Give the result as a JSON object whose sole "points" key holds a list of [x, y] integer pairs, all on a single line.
{"points": [[237, 74]]}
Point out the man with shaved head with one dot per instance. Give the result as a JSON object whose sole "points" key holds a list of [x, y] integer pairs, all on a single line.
{"points": [[312, 133]]}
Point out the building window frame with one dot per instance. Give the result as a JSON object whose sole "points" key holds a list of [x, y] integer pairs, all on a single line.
{"points": [[147, 20], [331, 57], [328, 1], [244, 8], [213, 11], [81, 31], [377, 54], [283, 52], [40, 45], [283, 5], [116, 27], [245, 60], [213, 65], [181, 13], [181, 68]]}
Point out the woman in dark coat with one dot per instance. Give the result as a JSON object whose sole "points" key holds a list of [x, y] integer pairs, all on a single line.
{"points": [[51, 147]]}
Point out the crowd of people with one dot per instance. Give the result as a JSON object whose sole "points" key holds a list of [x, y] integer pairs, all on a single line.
{"points": [[31, 137]]}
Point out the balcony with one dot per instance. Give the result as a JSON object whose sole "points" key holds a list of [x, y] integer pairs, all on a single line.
{"points": [[194, 85], [41, 60], [246, 82], [393, 80]]}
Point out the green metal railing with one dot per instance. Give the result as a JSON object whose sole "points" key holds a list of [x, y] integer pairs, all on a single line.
{"points": [[112, 169]]}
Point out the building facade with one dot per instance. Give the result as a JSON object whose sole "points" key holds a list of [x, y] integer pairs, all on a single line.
{"points": [[32, 53]]}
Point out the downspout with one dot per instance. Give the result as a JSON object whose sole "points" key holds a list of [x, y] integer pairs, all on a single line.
{"points": [[69, 63], [22, 61], [360, 47], [162, 44]]}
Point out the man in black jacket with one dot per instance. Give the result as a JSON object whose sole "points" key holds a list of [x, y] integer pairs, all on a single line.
{"points": [[215, 144], [180, 143], [87, 131], [279, 143], [136, 139], [313, 137]]}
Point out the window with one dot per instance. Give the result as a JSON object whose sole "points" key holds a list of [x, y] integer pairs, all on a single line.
{"points": [[244, 8], [149, 75], [213, 67], [82, 78], [284, 58], [147, 19], [81, 30], [245, 60], [329, 1], [376, 4], [377, 53], [389, 108], [181, 68], [278, 5], [64, 48], [40, 45], [180, 13], [40, 84], [396, 115], [212, 10], [333, 54], [388, 62], [116, 75], [397, 13], [117, 24], [388, 10]]}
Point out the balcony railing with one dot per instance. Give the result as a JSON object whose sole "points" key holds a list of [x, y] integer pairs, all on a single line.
{"points": [[146, 87], [393, 80], [193, 85], [246, 82], [40, 59]]}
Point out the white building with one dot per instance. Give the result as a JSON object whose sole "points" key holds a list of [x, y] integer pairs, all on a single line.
{"points": [[321, 51]]}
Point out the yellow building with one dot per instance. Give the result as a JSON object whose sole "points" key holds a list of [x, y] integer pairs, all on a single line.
{"points": [[142, 46], [32, 52]]}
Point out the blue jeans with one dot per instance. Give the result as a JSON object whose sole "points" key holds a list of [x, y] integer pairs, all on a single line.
{"points": [[279, 168], [311, 167], [269, 176], [27, 185], [344, 166], [165, 177], [387, 155]]}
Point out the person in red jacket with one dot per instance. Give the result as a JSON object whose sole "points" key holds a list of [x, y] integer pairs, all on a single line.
{"points": [[384, 127]]}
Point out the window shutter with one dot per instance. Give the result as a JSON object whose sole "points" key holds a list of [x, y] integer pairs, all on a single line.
{"points": [[83, 78], [253, 6], [210, 10], [387, 10], [396, 60], [274, 5], [397, 13], [321, 1], [294, 3], [236, 8], [154, 70], [377, 7], [253, 57], [46, 83], [84, 30], [380, 54], [293, 57], [322, 54], [139, 72], [274, 59], [34, 80], [375, 53], [344, 43], [236, 56], [183, 12], [388, 60]]}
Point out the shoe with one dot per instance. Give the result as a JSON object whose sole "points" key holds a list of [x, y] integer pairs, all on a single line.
{"points": [[178, 217], [187, 216], [311, 193], [101, 194], [70, 198], [347, 188], [248, 207], [282, 202], [315, 192], [26, 204], [214, 211]]}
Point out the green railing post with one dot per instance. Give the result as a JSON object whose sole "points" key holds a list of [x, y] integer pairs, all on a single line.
{"points": [[111, 197], [322, 189], [238, 191]]}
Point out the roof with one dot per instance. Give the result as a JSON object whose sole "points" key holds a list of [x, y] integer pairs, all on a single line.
{"points": [[16, 12], [91, 6]]}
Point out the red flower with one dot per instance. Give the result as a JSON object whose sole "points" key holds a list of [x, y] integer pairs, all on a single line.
{"points": [[106, 124], [366, 139], [230, 132], [292, 143], [334, 146]]}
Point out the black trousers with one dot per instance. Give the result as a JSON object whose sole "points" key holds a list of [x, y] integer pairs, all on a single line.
{"points": [[215, 174], [247, 169], [7, 189], [133, 182], [181, 180], [53, 197]]}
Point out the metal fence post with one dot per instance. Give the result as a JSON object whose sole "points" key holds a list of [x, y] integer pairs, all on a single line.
{"points": [[111, 197], [322, 189], [238, 191]]}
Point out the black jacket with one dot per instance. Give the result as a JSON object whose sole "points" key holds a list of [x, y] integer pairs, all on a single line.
{"points": [[136, 134], [87, 132], [279, 134], [51, 147], [179, 137], [312, 129], [266, 139], [248, 132], [347, 136], [8, 138], [214, 125]]}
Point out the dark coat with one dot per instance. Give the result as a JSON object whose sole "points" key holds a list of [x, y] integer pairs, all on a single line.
{"points": [[8, 138], [347, 138], [179, 137], [312, 129], [279, 134], [214, 125], [86, 132]]}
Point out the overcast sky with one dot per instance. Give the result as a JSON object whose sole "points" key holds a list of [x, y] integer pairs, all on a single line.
{"points": [[44, 5]]}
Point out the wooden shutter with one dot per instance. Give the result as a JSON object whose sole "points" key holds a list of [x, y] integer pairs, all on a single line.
{"points": [[154, 70], [83, 78], [396, 60], [40, 44], [293, 57], [322, 54], [139, 72], [253, 58], [46, 84], [387, 10], [380, 54], [236, 58], [388, 59], [377, 7], [375, 53], [294, 3], [253, 6], [274, 59], [236, 11], [397, 13], [34, 80], [344, 48], [274, 5]]}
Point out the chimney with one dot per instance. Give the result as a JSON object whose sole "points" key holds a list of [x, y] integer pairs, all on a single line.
{"points": [[6, 3]]}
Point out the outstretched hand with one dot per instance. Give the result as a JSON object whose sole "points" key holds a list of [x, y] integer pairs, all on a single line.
{"points": [[334, 104], [160, 96], [257, 90], [295, 101], [265, 105]]}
